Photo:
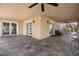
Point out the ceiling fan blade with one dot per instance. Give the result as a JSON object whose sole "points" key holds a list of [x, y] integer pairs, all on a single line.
{"points": [[33, 5], [42, 7], [53, 4]]}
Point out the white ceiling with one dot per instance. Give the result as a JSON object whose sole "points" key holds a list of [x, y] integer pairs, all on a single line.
{"points": [[66, 11]]}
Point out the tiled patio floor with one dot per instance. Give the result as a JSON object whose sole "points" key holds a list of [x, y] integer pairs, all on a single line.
{"points": [[27, 46]]}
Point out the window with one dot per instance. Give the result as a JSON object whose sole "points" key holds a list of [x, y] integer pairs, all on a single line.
{"points": [[6, 29], [9, 28], [13, 28]]}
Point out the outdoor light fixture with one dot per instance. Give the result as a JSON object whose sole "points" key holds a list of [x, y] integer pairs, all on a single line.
{"points": [[47, 21], [33, 21], [66, 21]]}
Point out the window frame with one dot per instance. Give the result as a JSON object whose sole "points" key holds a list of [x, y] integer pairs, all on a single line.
{"points": [[10, 27]]}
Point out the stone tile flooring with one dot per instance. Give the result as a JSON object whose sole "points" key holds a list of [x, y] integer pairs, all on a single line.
{"points": [[27, 46]]}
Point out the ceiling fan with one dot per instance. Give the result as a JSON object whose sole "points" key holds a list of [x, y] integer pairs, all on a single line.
{"points": [[42, 5]]}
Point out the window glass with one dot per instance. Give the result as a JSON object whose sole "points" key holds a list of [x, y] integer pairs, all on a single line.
{"points": [[9, 28], [13, 28], [6, 29], [29, 28]]}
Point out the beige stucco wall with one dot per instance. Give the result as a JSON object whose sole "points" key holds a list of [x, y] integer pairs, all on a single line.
{"points": [[39, 27], [20, 27], [44, 27], [36, 28]]}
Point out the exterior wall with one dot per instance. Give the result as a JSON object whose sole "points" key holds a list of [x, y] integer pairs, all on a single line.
{"points": [[20, 27], [36, 28], [44, 27], [39, 27]]}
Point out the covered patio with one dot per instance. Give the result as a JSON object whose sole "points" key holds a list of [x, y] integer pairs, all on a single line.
{"points": [[34, 31]]}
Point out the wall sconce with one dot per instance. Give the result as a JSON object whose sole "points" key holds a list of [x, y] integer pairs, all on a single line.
{"points": [[47, 21], [33, 21]]}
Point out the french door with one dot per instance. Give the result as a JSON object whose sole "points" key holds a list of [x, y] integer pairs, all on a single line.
{"points": [[6, 28], [29, 28], [9, 28], [13, 28], [51, 29]]}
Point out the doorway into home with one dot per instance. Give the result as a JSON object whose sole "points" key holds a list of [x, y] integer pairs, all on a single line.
{"points": [[29, 28], [6, 28], [9, 28], [51, 28]]}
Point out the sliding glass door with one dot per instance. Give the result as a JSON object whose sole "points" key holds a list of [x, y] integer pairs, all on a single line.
{"points": [[9, 28]]}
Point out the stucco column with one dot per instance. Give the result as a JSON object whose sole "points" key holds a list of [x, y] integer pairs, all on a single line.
{"points": [[20, 27], [36, 28]]}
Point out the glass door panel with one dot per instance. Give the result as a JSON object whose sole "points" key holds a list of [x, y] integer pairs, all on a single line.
{"points": [[29, 28], [13, 28], [6, 28], [50, 29]]}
